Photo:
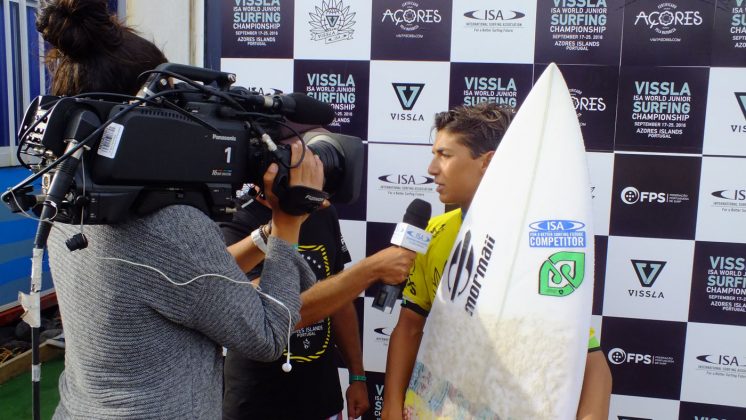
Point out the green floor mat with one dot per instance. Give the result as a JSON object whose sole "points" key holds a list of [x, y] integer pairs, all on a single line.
{"points": [[15, 395]]}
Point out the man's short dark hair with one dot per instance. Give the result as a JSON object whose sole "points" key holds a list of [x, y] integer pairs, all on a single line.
{"points": [[479, 127]]}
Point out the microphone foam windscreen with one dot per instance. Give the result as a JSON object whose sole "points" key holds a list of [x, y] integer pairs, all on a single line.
{"points": [[418, 213], [310, 111]]}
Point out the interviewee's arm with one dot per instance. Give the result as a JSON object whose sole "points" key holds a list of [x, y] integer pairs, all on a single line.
{"points": [[390, 265], [594, 398], [403, 347]]}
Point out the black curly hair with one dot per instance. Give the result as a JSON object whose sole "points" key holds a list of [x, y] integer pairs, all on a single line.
{"points": [[480, 127], [91, 50]]}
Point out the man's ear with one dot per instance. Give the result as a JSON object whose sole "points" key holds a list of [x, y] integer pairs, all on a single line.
{"points": [[486, 159]]}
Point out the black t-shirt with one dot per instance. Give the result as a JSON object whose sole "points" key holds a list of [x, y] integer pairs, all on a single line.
{"points": [[256, 390]]}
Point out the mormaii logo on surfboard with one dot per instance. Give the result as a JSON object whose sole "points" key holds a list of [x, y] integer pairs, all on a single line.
{"points": [[562, 273], [557, 234], [462, 275], [631, 195]]}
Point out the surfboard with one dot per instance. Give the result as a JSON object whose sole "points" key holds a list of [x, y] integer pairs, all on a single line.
{"points": [[507, 334]]}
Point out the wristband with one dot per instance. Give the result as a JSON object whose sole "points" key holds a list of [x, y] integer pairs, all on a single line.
{"points": [[258, 237], [357, 378]]}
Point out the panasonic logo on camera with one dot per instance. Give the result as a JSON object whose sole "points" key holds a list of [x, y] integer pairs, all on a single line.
{"points": [[224, 138]]}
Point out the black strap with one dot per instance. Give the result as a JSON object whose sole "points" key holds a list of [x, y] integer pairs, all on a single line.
{"points": [[300, 200]]}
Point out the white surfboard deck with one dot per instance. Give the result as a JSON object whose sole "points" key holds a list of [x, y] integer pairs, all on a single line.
{"points": [[508, 332]]}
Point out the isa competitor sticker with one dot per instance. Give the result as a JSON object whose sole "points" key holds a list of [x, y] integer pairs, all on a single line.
{"points": [[557, 234]]}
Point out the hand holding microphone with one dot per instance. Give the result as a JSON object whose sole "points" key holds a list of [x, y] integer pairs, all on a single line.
{"points": [[409, 235]]}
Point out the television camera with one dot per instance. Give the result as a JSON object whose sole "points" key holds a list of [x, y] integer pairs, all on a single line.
{"points": [[104, 158]]}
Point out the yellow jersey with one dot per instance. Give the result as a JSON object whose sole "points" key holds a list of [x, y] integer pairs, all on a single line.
{"points": [[424, 277]]}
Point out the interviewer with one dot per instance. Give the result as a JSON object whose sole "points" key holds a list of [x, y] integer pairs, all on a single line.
{"points": [[138, 346]]}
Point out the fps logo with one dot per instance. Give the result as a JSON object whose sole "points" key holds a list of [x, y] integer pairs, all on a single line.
{"points": [[667, 17], [332, 22], [631, 195], [562, 273], [618, 356], [462, 274]]}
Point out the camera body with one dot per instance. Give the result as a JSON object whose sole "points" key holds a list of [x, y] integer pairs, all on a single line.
{"points": [[152, 155]]}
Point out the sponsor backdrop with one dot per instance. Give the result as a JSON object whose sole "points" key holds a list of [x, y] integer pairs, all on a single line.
{"points": [[660, 91]]}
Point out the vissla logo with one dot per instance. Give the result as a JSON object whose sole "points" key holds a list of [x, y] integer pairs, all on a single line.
{"points": [[667, 18], [647, 271], [562, 273], [332, 22], [408, 93], [493, 14], [406, 179], [741, 98]]}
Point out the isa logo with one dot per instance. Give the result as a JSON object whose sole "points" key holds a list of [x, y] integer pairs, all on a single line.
{"points": [[557, 234]]}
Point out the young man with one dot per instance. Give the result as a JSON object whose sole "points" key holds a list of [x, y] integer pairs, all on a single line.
{"points": [[466, 140], [311, 390]]}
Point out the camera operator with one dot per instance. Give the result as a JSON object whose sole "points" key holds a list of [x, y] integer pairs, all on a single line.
{"points": [[139, 346]]}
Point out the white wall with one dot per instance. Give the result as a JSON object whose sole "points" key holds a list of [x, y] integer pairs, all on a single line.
{"points": [[176, 26]]}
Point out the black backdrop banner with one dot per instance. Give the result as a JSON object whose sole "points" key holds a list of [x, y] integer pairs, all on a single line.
{"points": [[660, 91]]}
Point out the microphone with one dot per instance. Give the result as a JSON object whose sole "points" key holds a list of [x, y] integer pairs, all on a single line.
{"points": [[297, 107], [303, 109], [409, 234]]}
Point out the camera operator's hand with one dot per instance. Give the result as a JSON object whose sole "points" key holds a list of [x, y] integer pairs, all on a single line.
{"points": [[309, 173]]}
